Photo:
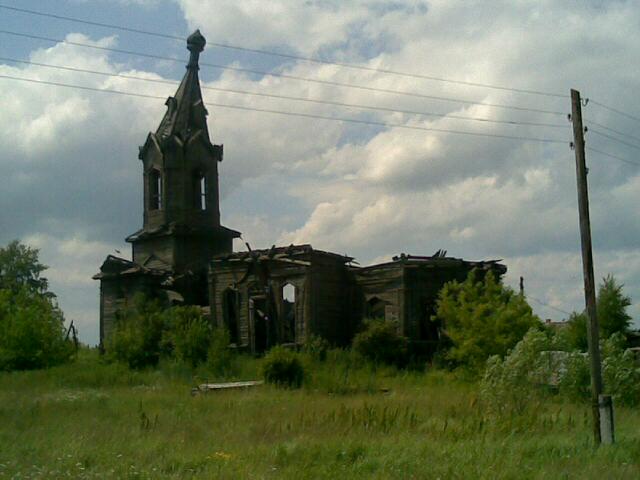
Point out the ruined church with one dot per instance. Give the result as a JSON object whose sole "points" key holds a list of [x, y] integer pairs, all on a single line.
{"points": [[279, 295]]}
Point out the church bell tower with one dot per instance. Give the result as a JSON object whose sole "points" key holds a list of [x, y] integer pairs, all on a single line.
{"points": [[181, 230]]}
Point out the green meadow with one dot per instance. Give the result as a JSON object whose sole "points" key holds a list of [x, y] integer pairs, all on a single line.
{"points": [[90, 419]]}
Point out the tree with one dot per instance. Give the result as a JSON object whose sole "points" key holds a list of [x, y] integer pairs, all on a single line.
{"points": [[137, 337], [32, 333], [611, 306], [20, 267], [482, 318]]}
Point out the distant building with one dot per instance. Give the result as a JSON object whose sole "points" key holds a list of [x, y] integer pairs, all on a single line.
{"points": [[264, 297]]}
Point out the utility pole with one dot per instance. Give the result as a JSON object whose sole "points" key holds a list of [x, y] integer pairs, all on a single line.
{"points": [[587, 263]]}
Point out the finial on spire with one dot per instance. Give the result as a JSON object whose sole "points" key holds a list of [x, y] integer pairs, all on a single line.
{"points": [[195, 44]]}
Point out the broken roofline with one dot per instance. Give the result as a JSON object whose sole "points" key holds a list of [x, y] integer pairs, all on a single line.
{"points": [[276, 253]]}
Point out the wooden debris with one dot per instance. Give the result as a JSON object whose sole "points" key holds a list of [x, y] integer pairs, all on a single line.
{"points": [[207, 387]]}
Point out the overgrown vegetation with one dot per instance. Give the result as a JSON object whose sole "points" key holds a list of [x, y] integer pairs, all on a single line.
{"points": [[536, 369], [102, 420], [32, 333], [137, 337], [283, 368], [380, 342], [482, 317], [611, 304], [146, 332]]}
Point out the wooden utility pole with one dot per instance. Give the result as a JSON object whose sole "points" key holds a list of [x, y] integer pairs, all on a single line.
{"points": [[587, 262]]}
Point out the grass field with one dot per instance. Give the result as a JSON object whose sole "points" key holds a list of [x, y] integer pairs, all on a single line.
{"points": [[92, 420]]}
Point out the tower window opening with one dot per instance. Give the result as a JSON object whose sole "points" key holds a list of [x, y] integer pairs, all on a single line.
{"points": [[200, 188], [203, 193], [155, 190]]}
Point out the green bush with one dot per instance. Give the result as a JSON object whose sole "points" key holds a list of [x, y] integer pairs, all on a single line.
{"points": [[187, 334], [283, 368], [482, 317], [137, 337], [620, 373], [32, 333], [575, 380], [380, 342], [220, 358], [510, 385]]}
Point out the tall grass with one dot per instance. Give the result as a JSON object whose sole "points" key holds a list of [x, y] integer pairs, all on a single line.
{"points": [[351, 420]]}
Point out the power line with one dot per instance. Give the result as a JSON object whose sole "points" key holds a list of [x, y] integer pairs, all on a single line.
{"points": [[547, 305], [615, 110], [631, 162], [287, 97], [613, 138], [299, 114], [289, 77], [609, 129], [285, 55]]}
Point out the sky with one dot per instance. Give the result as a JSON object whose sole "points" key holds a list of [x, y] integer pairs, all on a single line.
{"points": [[71, 182]]}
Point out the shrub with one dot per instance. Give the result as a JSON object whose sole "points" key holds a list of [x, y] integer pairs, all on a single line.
{"points": [[620, 374], [512, 384], [283, 368], [380, 342], [482, 318], [187, 334], [137, 336], [32, 333], [575, 380], [220, 358]]}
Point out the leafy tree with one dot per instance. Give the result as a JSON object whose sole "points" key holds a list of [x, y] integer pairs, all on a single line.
{"points": [[576, 331], [137, 336], [611, 307], [20, 267], [482, 317], [187, 334], [32, 333]]}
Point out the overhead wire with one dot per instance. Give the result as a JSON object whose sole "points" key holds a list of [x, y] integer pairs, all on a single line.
{"points": [[615, 110], [286, 55], [612, 130], [610, 137], [290, 77], [300, 114], [288, 97], [631, 162], [547, 305]]}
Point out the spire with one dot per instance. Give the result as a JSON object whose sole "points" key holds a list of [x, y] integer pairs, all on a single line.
{"points": [[186, 113]]}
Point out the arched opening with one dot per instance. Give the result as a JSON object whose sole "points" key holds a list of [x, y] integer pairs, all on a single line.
{"points": [[230, 313], [288, 313], [375, 308], [155, 190], [200, 189]]}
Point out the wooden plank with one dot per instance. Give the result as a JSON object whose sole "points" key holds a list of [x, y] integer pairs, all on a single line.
{"points": [[208, 387]]}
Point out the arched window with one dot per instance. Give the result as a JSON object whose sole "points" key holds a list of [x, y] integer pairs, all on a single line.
{"points": [[155, 190], [200, 191], [375, 308], [289, 313]]}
